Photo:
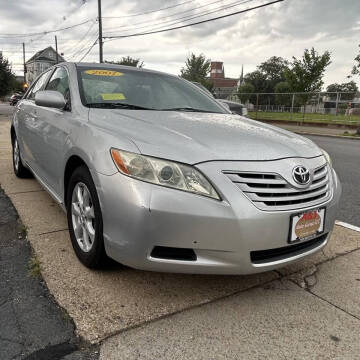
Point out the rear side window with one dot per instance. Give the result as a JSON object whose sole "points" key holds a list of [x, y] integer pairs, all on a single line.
{"points": [[59, 81], [38, 86]]}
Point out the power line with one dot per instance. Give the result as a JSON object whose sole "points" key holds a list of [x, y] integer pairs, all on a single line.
{"points": [[192, 24], [190, 17], [148, 12], [11, 36], [84, 45], [90, 48], [82, 38]]}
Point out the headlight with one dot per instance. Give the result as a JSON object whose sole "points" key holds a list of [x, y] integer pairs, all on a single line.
{"points": [[163, 172], [327, 157]]}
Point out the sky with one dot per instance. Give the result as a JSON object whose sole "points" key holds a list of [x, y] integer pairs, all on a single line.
{"points": [[284, 29]]}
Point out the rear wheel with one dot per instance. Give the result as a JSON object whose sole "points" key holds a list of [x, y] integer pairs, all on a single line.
{"points": [[19, 169], [85, 219]]}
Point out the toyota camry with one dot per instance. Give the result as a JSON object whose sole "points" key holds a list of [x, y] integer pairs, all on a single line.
{"points": [[157, 175]]}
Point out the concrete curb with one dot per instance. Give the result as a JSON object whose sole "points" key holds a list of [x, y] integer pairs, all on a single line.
{"points": [[327, 135]]}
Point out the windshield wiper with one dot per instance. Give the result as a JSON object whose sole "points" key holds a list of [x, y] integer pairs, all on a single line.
{"points": [[187, 108], [117, 106]]}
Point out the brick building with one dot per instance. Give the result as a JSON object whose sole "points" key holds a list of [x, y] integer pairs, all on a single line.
{"points": [[223, 86]]}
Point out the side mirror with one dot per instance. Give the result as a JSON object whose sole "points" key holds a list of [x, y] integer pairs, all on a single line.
{"points": [[50, 98]]}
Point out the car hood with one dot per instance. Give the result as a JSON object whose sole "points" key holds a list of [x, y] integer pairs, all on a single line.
{"points": [[192, 137]]}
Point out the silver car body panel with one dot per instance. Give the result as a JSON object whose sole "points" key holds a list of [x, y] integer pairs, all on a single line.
{"points": [[138, 215]]}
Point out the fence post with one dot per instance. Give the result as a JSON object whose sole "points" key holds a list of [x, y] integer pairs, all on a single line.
{"points": [[318, 104], [292, 106], [337, 103], [257, 105]]}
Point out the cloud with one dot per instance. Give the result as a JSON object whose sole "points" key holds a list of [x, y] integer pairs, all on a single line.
{"points": [[284, 29]]}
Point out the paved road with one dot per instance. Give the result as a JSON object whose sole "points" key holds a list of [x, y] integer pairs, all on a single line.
{"points": [[345, 154], [32, 326], [6, 109]]}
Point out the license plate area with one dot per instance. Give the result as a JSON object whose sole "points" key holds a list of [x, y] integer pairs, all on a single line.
{"points": [[306, 225]]}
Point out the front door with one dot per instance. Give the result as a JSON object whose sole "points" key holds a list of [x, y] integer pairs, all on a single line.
{"points": [[55, 128]]}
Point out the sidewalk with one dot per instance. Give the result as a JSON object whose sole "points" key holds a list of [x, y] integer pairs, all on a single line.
{"points": [[313, 316], [307, 310], [314, 130]]}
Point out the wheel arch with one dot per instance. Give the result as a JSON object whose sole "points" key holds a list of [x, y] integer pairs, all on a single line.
{"points": [[72, 163]]}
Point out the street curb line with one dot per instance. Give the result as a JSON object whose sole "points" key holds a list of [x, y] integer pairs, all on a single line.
{"points": [[348, 226], [326, 135]]}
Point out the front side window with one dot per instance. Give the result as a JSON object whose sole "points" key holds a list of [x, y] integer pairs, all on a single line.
{"points": [[117, 87], [59, 81], [38, 86]]}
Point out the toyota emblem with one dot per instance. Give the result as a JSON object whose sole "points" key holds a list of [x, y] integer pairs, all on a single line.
{"points": [[301, 175]]}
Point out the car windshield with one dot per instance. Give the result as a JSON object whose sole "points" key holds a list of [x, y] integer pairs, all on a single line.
{"points": [[141, 90]]}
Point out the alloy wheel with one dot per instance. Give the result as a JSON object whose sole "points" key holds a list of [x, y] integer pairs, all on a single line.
{"points": [[83, 217], [16, 154]]}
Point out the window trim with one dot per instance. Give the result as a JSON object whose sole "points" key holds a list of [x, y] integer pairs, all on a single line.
{"points": [[67, 107], [26, 96]]}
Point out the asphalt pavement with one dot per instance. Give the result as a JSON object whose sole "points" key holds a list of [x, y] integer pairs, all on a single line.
{"points": [[32, 325], [345, 155]]}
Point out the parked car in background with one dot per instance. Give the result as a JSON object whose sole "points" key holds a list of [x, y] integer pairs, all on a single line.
{"points": [[160, 176], [234, 107], [14, 99]]}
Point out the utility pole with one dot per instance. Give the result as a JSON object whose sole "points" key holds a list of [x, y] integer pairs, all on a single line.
{"points": [[100, 33], [57, 55], [23, 44]]}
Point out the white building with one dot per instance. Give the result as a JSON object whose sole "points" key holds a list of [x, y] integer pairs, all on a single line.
{"points": [[41, 61]]}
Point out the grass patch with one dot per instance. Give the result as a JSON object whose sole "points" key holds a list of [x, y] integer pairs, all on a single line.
{"points": [[34, 267], [23, 230], [307, 117], [346, 133]]}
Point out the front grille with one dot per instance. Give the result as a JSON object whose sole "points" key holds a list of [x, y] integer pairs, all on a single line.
{"points": [[270, 255], [270, 191]]}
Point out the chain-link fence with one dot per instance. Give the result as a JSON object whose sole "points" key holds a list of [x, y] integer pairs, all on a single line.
{"points": [[331, 107]]}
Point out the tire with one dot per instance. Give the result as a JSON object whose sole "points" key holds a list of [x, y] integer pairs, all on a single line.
{"points": [[85, 219], [19, 169]]}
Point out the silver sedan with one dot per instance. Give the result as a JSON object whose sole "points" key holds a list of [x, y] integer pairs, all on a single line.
{"points": [[158, 175]]}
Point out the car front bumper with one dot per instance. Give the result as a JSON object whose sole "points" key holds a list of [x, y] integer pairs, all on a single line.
{"points": [[138, 216]]}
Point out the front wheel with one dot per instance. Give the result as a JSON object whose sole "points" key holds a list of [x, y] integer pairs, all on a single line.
{"points": [[85, 219]]}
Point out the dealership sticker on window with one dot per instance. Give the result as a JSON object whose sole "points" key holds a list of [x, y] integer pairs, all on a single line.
{"points": [[103, 73], [113, 96]]}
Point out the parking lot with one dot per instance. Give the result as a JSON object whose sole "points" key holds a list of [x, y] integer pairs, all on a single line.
{"points": [[310, 309]]}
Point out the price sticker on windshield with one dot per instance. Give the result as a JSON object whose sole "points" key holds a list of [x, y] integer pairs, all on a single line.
{"points": [[113, 96], [103, 72]]}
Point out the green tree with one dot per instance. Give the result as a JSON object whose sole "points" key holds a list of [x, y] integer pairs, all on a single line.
{"points": [[257, 79], [128, 61], [273, 69], [349, 87], [244, 92], [268, 74], [306, 74], [197, 68], [283, 96], [356, 68], [6, 76]]}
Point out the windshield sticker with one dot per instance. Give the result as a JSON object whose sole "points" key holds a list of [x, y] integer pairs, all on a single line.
{"points": [[103, 73], [113, 96]]}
